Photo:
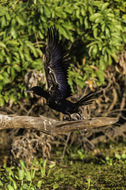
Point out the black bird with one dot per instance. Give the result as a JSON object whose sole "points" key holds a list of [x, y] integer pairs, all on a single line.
{"points": [[58, 89]]}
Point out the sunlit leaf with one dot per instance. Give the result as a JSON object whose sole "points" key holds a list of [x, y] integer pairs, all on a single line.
{"points": [[3, 11], [32, 48], [13, 32], [86, 23], [39, 183], [47, 11], [12, 42], [100, 75], [9, 187], [104, 6], [21, 174], [2, 45], [95, 16], [20, 20], [3, 22]]}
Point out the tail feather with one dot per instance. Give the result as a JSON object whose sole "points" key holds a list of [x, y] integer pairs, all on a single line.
{"points": [[89, 98]]}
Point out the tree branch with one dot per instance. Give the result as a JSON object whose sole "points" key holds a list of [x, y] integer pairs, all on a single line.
{"points": [[51, 126]]}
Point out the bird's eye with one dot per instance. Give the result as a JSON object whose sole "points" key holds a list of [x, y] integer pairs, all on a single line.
{"points": [[49, 70]]}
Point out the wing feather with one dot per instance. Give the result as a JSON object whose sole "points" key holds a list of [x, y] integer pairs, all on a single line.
{"points": [[56, 65]]}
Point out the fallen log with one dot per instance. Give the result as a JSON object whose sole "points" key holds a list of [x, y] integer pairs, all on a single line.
{"points": [[50, 126]]}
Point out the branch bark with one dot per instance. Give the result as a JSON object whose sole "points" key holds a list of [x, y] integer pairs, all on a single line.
{"points": [[51, 126]]}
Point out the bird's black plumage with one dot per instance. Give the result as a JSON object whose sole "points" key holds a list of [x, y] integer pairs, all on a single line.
{"points": [[56, 65], [58, 89]]}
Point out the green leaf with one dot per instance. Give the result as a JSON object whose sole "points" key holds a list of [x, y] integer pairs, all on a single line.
{"points": [[1, 184], [3, 22], [14, 184], [8, 16], [47, 11], [3, 11], [2, 45], [98, 20], [12, 43], [90, 50], [104, 6], [20, 20], [9, 187], [110, 60], [80, 82], [27, 57], [43, 19], [63, 31], [39, 183], [1, 77], [102, 65], [17, 67], [32, 48], [95, 32], [55, 186], [41, 10], [94, 51], [1, 100], [21, 174], [78, 13], [100, 75], [22, 164], [114, 56], [13, 32], [13, 74], [90, 9], [28, 175], [105, 58], [86, 23], [8, 59], [6, 98], [33, 171], [83, 12], [98, 3], [6, 78], [107, 32], [124, 18], [94, 16], [103, 27]]}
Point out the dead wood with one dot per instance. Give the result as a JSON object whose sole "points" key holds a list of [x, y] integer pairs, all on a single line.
{"points": [[51, 126]]}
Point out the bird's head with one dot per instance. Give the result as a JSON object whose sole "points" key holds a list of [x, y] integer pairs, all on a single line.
{"points": [[35, 90], [39, 91]]}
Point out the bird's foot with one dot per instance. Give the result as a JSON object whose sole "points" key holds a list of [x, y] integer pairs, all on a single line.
{"points": [[65, 118], [79, 116], [74, 117], [68, 117]]}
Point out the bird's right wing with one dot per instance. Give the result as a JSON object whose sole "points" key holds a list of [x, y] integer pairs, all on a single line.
{"points": [[56, 66]]}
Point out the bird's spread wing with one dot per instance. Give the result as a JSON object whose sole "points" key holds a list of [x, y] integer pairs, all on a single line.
{"points": [[56, 65]]}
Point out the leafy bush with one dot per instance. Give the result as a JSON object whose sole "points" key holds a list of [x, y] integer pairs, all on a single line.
{"points": [[91, 27]]}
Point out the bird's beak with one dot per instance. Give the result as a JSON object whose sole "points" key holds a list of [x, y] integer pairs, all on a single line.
{"points": [[30, 90]]}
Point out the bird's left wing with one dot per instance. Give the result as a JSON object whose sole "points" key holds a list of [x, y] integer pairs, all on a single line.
{"points": [[56, 65]]}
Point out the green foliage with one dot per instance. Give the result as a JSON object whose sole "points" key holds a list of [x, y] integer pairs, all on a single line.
{"points": [[103, 34], [23, 177], [79, 170], [98, 25]]}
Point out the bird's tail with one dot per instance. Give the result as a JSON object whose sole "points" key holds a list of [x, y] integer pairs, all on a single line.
{"points": [[89, 98]]}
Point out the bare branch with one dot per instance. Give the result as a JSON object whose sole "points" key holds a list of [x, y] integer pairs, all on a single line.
{"points": [[51, 126]]}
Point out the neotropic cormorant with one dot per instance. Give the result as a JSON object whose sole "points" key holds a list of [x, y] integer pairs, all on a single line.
{"points": [[58, 89]]}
